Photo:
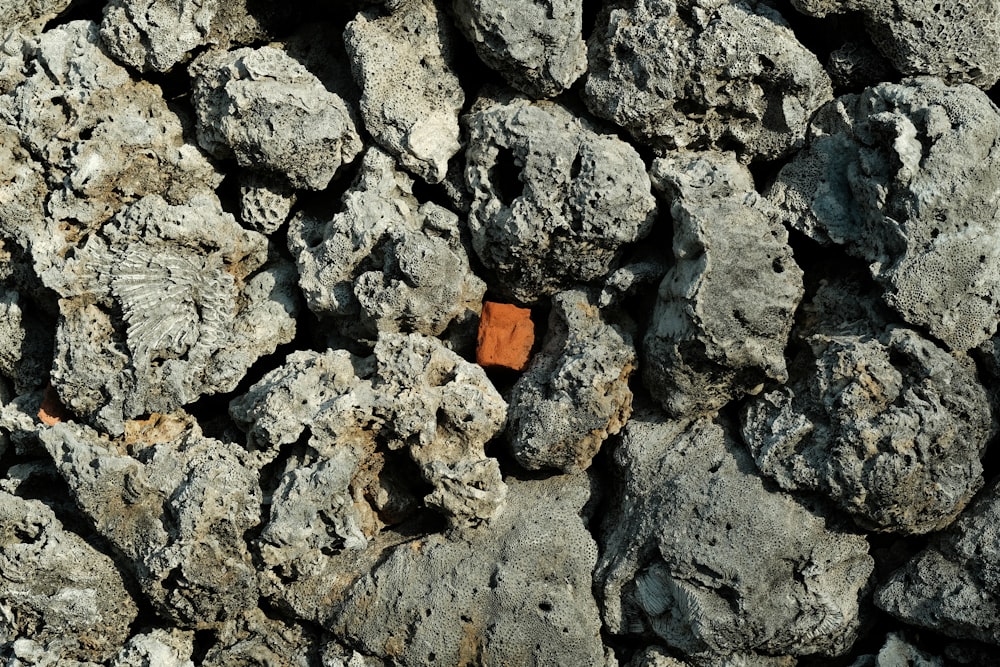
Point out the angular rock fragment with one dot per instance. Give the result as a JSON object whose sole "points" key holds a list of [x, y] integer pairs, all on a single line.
{"points": [[29, 17], [907, 177], [725, 308], [518, 594], [411, 97], [536, 45], [575, 393], [175, 505], [701, 553], [879, 418], [505, 337], [898, 651], [155, 35], [253, 638], [263, 108], [385, 262], [56, 590], [703, 74], [160, 647], [554, 202]]}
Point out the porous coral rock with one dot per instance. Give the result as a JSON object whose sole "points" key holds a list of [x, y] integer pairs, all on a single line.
{"points": [[155, 35], [265, 201], [29, 16], [724, 309], [25, 343], [554, 202], [159, 647]]}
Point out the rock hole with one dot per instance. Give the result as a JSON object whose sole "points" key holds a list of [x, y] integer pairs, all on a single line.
{"points": [[505, 177], [545, 606], [778, 266], [574, 170]]}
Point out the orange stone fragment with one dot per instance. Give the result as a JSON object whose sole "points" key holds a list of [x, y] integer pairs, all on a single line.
{"points": [[52, 411], [506, 334]]}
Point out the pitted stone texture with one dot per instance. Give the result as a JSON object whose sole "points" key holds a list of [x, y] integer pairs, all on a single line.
{"points": [[724, 309], [536, 45], [950, 587], [554, 202], [385, 262], [155, 35], [882, 420], [165, 304], [907, 177], [263, 108], [29, 16], [700, 552], [265, 201], [575, 393], [702, 74], [411, 97], [253, 638], [55, 589], [160, 647], [175, 505], [517, 594]]}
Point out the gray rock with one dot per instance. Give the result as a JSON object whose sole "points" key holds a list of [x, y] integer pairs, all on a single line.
{"points": [[253, 638], [155, 35], [554, 202], [265, 201], [856, 65], [950, 587], [160, 647], [518, 594], [882, 420], [724, 310], [175, 505], [699, 551], [25, 343], [385, 261], [29, 16], [575, 393], [907, 177], [897, 651], [263, 108], [703, 74], [537, 45], [411, 97], [57, 591]]}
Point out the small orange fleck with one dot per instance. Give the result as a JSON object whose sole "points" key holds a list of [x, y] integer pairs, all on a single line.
{"points": [[52, 410], [506, 334]]}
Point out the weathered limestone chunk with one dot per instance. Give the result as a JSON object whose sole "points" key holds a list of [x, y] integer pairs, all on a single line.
{"points": [[385, 262], [724, 309], [536, 45], [29, 15], [175, 505], [269, 112], [703, 74], [907, 177], [25, 344], [265, 201], [575, 393], [55, 589], [411, 97], [876, 416], [518, 594], [898, 651], [701, 553], [160, 647], [554, 202], [155, 35]]}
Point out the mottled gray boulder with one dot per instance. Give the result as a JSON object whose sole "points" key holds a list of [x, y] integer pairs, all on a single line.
{"points": [[703, 74], [175, 505], [950, 587], [159, 647], [877, 417], [575, 393], [536, 45], [907, 177], [254, 638], [155, 35], [700, 552], [410, 97], [165, 304], [724, 309], [385, 261], [56, 590], [263, 108], [29, 16], [265, 201], [518, 594], [554, 202]]}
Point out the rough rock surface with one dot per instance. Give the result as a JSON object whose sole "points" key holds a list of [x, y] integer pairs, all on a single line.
{"points": [[700, 552], [725, 307], [155, 35], [703, 74], [536, 45], [876, 416], [575, 393], [554, 202], [907, 177]]}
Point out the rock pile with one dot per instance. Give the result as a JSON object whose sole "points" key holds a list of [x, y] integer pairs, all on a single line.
{"points": [[629, 333]]}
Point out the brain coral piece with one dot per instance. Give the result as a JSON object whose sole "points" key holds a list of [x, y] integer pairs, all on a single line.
{"points": [[536, 45], [704, 74], [411, 97], [158, 308], [724, 309], [907, 177], [554, 202], [385, 261], [269, 112], [702, 553], [265, 201], [575, 393], [880, 419]]}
